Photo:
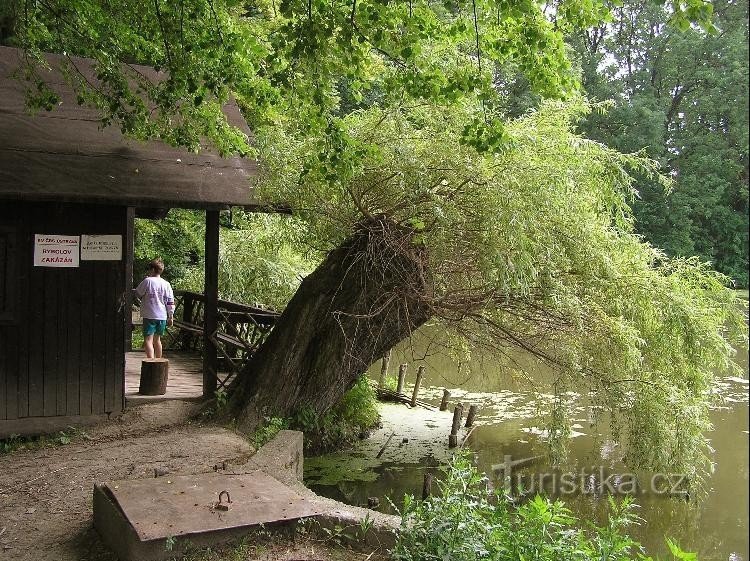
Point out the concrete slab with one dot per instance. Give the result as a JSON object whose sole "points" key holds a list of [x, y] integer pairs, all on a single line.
{"points": [[138, 519]]}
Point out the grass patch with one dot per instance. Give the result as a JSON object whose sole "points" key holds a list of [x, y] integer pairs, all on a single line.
{"points": [[15, 442]]}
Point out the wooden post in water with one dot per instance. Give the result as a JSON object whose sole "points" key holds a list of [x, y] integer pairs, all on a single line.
{"points": [[417, 383], [427, 486], [384, 369], [470, 415], [458, 411], [446, 397], [401, 376]]}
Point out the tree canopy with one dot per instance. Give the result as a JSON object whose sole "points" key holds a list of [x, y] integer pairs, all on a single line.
{"points": [[386, 126], [682, 96]]}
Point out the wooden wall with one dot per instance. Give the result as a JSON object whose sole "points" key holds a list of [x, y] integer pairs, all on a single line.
{"points": [[62, 355]]}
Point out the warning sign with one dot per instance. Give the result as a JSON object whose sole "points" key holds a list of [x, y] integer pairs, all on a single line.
{"points": [[52, 250], [101, 248]]}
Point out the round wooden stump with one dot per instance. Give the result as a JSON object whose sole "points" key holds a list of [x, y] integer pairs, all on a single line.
{"points": [[154, 374]]}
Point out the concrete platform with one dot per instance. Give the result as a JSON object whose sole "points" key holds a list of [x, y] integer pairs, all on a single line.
{"points": [[154, 519], [162, 518]]}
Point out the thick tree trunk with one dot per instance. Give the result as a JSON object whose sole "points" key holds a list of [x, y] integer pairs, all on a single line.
{"points": [[366, 296]]}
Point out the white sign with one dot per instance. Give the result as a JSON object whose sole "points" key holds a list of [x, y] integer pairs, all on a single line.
{"points": [[101, 248], [52, 250]]}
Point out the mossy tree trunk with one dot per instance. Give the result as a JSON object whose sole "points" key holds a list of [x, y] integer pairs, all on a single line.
{"points": [[366, 296]]}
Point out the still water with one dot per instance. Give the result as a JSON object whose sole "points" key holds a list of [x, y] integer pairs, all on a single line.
{"points": [[712, 519]]}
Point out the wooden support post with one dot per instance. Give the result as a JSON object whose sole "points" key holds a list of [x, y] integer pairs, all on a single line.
{"points": [[444, 402], [427, 486], [401, 377], [154, 375], [384, 369], [470, 415], [458, 412], [417, 383], [210, 310], [186, 337], [128, 296]]}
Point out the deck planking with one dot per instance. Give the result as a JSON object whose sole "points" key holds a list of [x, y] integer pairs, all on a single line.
{"points": [[185, 377]]}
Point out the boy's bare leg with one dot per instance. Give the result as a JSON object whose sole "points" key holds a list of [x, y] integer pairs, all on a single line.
{"points": [[157, 346], [148, 344]]}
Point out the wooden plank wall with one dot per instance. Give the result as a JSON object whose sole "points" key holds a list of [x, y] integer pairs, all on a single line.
{"points": [[62, 353]]}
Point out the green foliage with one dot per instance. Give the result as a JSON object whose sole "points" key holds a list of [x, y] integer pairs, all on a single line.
{"points": [[288, 61], [169, 543], [177, 239], [137, 339], [222, 399], [262, 259], [533, 247], [466, 523], [352, 417], [682, 96], [266, 431], [337, 534]]}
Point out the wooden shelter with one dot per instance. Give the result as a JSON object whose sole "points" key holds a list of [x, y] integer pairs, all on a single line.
{"points": [[69, 193]]}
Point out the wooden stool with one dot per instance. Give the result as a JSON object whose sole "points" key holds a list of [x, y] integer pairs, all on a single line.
{"points": [[154, 374]]}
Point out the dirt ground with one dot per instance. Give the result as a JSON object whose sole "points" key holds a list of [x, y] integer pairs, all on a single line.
{"points": [[45, 495]]}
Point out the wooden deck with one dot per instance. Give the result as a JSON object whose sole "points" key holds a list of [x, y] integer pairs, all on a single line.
{"points": [[185, 377]]}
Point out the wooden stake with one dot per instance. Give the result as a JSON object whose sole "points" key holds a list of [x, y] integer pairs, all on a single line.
{"points": [[470, 415], [427, 486], [384, 369], [401, 377], [458, 412], [417, 383], [446, 397]]}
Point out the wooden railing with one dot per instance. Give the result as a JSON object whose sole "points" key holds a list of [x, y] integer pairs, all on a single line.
{"points": [[241, 330]]}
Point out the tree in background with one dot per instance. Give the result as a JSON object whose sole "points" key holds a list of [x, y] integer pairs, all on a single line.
{"points": [[681, 95], [429, 201], [177, 239]]}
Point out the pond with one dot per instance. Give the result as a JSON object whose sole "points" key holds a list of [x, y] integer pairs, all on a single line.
{"points": [[711, 519]]}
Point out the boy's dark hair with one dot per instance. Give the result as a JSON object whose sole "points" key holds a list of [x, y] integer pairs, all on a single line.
{"points": [[157, 266]]}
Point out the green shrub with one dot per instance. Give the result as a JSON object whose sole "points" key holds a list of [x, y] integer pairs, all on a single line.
{"points": [[351, 418], [465, 523], [270, 428]]}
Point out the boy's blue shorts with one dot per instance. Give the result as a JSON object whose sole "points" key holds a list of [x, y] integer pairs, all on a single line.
{"points": [[154, 326]]}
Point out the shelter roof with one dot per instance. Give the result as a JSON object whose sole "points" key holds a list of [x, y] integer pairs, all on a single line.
{"points": [[65, 155]]}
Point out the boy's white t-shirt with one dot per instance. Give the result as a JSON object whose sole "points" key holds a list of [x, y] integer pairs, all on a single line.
{"points": [[156, 296]]}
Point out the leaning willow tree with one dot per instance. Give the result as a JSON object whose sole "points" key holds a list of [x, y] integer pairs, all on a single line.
{"points": [[383, 124]]}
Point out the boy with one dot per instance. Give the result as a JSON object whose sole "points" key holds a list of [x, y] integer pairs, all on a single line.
{"points": [[157, 307]]}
